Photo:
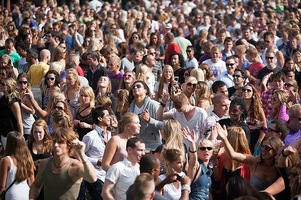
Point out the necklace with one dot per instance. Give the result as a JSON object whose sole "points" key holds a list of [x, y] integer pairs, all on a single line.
{"points": [[60, 166]]}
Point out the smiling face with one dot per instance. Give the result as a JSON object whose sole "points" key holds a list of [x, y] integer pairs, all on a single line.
{"points": [[267, 151], [177, 165], [50, 78], [136, 153], [247, 92], [235, 112]]}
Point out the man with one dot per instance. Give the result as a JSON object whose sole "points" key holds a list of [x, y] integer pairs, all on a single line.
{"points": [[73, 39], [171, 46], [294, 125], [38, 70], [186, 114], [219, 87], [9, 50], [227, 76], [182, 42], [122, 174], [217, 65], [61, 175], [206, 24], [233, 25], [191, 61], [95, 142], [115, 74], [239, 81], [248, 36], [220, 111], [153, 65], [228, 45], [95, 71], [22, 49], [220, 39]]}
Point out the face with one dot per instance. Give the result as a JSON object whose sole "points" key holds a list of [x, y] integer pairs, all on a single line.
{"points": [[177, 165], [247, 92], [228, 45], [50, 78], [103, 82], [4, 86], [297, 57], [275, 101], [138, 89], [238, 78], [106, 119], [156, 170], [112, 67], [135, 37], [85, 99], [205, 152], [23, 83], [134, 126], [235, 112], [175, 60], [278, 84], [59, 148], [221, 109], [290, 76], [268, 42], [270, 58], [190, 53], [137, 152], [289, 85], [38, 133], [267, 151], [223, 90], [70, 80], [168, 74], [128, 77], [59, 106], [190, 86], [272, 131], [215, 54]]}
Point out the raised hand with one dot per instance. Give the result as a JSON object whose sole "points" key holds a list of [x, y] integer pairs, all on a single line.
{"points": [[188, 135], [222, 131]]}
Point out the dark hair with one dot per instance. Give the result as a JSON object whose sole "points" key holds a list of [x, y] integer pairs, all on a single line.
{"points": [[131, 96], [281, 126], [279, 75], [216, 85], [22, 45], [181, 58], [132, 142], [98, 112], [241, 103], [147, 163], [57, 77]]}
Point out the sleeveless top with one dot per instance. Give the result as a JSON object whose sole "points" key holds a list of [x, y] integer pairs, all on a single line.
{"points": [[45, 99], [19, 190], [59, 185], [8, 122], [73, 103], [120, 154], [201, 186], [87, 119], [37, 156], [27, 118]]}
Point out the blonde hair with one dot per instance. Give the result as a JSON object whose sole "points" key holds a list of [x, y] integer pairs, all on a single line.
{"points": [[198, 74], [61, 118], [74, 73], [141, 73], [126, 118], [87, 90], [282, 96], [162, 80], [11, 92], [54, 98]]}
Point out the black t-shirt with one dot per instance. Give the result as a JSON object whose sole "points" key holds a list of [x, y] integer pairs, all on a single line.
{"points": [[265, 71]]}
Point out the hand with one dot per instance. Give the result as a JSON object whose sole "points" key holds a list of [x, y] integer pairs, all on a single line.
{"points": [[289, 150], [145, 115], [84, 125], [188, 135], [78, 146], [28, 93], [171, 178], [76, 122], [222, 132], [185, 180], [165, 97]]}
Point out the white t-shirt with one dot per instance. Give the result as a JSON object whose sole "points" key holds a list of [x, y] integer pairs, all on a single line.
{"points": [[169, 190], [216, 68]]}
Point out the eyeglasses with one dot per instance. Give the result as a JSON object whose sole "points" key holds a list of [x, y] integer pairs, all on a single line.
{"points": [[266, 148], [23, 82], [269, 58], [137, 86], [272, 130], [230, 64], [238, 76], [50, 79], [204, 148], [152, 53], [188, 51], [127, 76], [246, 90], [191, 84], [288, 85], [3, 84], [58, 108]]}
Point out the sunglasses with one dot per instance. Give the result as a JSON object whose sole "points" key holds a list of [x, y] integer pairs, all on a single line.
{"points": [[238, 76], [266, 148], [269, 58], [188, 51], [58, 108], [288, 85], [152, 53], [272, 130], [191, 84], [127, 76], [137, 86], [246, 90], [230, 64], [3, 84], [23, 82], [50, 79], [204, 148]]}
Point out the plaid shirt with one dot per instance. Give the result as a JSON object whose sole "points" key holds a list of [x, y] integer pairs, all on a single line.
{"points": [[266, 99]]}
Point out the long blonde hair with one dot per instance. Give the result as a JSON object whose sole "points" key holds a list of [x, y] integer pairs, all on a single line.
{"points": [[162, 80]]}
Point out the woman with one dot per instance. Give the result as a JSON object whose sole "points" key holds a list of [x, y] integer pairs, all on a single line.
{"points": [[173, 160], [189, 88], [142, 74], [178, 64], [10, 115], [122, 102], [104, 88], [142, 105], [83, 121], [17, 168], [279, 103], [6, 65], [133, 39], [59, 118], [202, 95], [263, 172], [162, 86], [59, 57], [207, 74], [27, 110], [297, 60], [115, 150], [129, 78], [155, 43], [72, 89], [51, 81], [256, 117], [198, 170]]}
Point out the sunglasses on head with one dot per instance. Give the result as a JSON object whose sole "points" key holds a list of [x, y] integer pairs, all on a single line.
{"points": [[204, 148], [191, 84], [137, 86]]}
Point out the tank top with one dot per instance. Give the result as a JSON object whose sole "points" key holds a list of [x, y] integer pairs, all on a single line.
{"points": [[59, 185], [120, 154]]}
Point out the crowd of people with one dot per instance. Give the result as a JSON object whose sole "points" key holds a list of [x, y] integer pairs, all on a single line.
{"points": [[150, 99]]}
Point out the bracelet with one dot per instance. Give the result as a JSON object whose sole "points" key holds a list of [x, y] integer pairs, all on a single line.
{"points": [[85, 162], [30, 97], [162, 104], [186, 187], [282, 152], [192, 151]]}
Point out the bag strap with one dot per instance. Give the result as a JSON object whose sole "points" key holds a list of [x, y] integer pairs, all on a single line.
{"points": [[10, 185], [197, 172]]}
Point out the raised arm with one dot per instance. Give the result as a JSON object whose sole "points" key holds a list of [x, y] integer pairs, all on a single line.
{"points": [[16, 110], [109, 153]]}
